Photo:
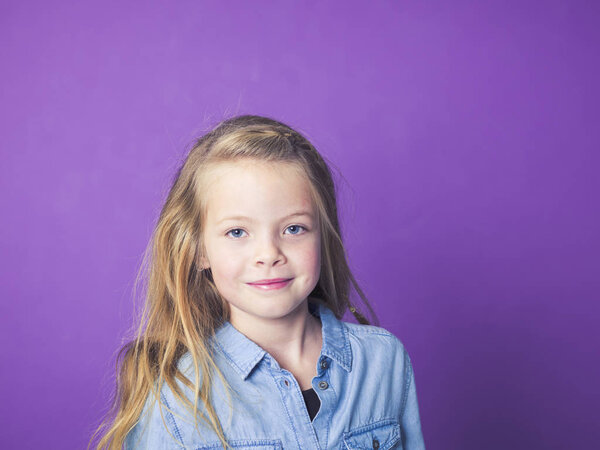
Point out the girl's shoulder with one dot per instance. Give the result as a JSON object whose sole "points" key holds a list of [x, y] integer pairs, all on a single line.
{"points": [[370, 332], [377, 350], [362, 329], [373, 339]]}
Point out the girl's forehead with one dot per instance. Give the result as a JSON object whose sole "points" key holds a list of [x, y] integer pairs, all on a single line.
{"points": [[256, 184], [256, 171]]}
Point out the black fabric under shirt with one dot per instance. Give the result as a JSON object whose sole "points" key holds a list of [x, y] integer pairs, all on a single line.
{"points": [[312, 402]]}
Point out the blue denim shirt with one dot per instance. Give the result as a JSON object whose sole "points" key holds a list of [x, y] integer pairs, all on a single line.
{"points": [[364, 380]]}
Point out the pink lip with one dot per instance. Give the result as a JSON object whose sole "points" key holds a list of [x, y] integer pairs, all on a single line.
{"points": [[274, 283]]}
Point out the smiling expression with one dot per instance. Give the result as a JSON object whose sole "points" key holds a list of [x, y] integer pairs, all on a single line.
{"points": [[261, 238]]}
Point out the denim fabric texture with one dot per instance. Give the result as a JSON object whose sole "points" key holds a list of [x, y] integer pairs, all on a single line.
{"points": [[365, 382]]}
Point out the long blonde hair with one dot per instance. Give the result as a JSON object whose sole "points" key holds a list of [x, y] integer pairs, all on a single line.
{"points": [[182, 306]]}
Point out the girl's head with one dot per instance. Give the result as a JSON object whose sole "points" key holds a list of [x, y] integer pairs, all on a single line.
{"points": [[253, 200]]}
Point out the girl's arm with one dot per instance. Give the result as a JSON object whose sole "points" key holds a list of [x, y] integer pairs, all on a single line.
{"points": [[410, 422], [154, 430]]}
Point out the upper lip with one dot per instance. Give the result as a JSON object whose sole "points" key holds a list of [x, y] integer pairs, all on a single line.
{"points": [[271, 280]]}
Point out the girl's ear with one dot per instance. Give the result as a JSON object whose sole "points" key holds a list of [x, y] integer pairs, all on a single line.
{"points": [[204, 264], [203, 261]]}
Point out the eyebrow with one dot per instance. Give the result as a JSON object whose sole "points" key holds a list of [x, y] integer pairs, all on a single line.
{"points": [[248, 219]]}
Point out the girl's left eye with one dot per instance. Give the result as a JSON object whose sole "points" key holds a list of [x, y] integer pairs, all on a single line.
{"points": [[295, 229]]}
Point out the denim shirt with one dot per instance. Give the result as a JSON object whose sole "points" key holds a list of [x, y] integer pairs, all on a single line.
{"points": [[364, 380]]}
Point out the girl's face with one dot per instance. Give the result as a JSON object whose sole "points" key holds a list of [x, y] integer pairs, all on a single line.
{"points": [[261, 224]]}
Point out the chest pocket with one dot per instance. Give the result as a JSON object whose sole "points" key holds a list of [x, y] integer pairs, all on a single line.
{"points": [[246, 444], [381, 435]]}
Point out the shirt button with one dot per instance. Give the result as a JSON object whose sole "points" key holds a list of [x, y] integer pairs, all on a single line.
{"points": [[375, 443], [324, 364], [323, 385]]}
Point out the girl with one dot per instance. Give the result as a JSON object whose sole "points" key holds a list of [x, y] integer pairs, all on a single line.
{"points": [[241, 343]]}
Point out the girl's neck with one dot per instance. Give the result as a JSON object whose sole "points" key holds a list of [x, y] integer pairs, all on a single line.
{"points": [[294, 340]]}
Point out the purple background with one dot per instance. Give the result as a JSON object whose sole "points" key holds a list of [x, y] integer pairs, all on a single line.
{"points": [[467, 133]]}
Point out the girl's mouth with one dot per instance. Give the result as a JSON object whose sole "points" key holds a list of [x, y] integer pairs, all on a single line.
{"points": [[267, 285]]}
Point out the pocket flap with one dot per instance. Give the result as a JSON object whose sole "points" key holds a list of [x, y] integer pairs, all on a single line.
{"points": [[246, 444], [381, 435]]}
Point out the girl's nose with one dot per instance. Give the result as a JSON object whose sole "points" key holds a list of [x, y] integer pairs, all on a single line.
{"points": [[268, 252]]}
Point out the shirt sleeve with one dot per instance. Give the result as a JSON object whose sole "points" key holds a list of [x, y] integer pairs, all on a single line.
{"points": [[154, 430], [410, 422]]}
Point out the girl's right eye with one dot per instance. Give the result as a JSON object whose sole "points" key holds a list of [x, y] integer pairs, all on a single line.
{"points": [[235, 233]]}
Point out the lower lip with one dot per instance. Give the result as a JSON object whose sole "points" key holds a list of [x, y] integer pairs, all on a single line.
{"points": [[271, 286]]}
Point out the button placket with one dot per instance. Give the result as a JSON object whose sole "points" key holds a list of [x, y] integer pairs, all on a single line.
{"points": [[327, 396], [290, 389]]}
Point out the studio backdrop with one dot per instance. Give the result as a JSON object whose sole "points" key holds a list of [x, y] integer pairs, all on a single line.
{"points": [[464, 138]]}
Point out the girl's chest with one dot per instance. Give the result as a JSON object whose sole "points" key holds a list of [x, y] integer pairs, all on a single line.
{"points": [[355, 412]]}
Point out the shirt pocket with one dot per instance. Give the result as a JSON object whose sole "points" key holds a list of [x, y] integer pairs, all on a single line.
{"points": [[381, 435], [246, 444]]}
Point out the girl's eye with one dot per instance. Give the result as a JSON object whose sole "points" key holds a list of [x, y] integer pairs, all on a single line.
{"points": [[236, 233], [295, 229]]}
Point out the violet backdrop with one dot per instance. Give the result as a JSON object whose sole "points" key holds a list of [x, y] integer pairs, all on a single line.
{"points": [[467, 134]]}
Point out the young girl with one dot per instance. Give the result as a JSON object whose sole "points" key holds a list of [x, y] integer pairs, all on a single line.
{"points": [[241, 343]]}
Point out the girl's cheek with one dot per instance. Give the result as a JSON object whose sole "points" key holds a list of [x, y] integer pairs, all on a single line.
{"points": [[231, 261], [313, 251]]}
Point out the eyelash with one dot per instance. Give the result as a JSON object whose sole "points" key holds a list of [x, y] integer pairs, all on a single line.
{"points": [[297, 234]]}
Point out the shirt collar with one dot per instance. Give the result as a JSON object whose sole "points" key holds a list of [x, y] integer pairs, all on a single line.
{"points": [[243, 354]]}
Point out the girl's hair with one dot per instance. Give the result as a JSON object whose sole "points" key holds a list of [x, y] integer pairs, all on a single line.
{"points": [[183, 307]]}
